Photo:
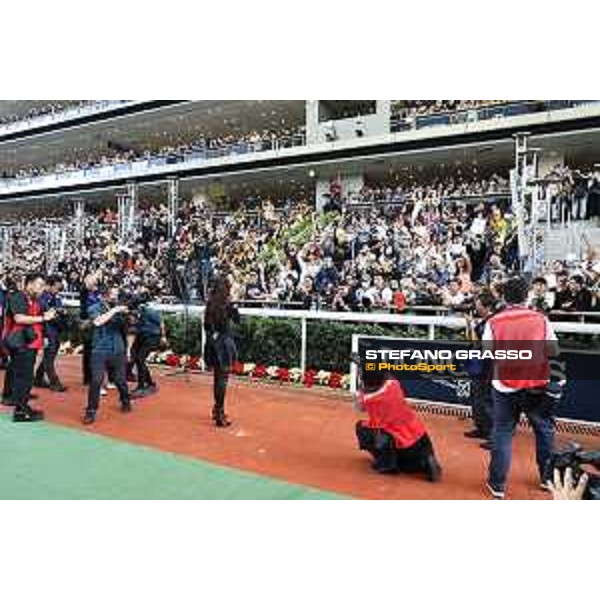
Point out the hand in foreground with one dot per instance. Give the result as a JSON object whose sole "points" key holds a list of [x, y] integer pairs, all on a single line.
{"points": [[49, 314], [567, 489]]}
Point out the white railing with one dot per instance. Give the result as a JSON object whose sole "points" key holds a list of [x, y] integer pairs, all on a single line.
{"points": [[61, 116], [153, 165], [433, 323]]}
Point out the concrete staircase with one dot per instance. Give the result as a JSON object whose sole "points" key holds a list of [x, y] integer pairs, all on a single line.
{"points": [[561, 242]]}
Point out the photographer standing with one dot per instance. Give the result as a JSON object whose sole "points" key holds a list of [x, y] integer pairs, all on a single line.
{"points": [[486, 305], [23, 337], [107, 351], [520, 387], [51, 299], [88, 297], [150, 337]]}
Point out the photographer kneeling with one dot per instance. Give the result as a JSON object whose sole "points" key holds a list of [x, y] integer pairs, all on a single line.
{"points": [[393, 433], [150, 337], [107, 351]]}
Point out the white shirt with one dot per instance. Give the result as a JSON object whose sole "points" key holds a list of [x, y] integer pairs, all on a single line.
{"points": [[488, 336]]}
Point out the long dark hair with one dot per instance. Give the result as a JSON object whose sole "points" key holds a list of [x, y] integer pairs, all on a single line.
{"points": [[218, 301]]}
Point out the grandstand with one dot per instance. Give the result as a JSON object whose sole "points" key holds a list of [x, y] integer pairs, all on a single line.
{"points": [[336, 218]]}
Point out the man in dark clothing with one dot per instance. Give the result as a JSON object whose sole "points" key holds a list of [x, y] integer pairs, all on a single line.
{"points": [[88, 297], [23, 336], [327, 275], [107, 352], [581, 297], [51, 299], [150, 336], [486, 305]]}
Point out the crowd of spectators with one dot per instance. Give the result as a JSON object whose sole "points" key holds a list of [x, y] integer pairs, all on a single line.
{"points": [[174, 151], [53, 107], [413, 108], [571, 194], [415, 251]]}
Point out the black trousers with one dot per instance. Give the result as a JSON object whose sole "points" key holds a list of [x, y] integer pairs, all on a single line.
{"points": [[101, 363], [8, 381], [47, 367], [390, 459], [141, 349], [481, 406], [220, 379], [86, 362], [22, 365]]}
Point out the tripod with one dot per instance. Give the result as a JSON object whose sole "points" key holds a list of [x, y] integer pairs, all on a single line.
{"points": [[181, 290]]}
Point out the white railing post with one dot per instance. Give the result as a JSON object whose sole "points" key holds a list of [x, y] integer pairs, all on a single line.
{"points": [[431, 330], [202, 338], [303, 346]]}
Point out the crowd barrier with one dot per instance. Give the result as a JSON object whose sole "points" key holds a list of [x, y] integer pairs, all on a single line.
{"points": [[433, 323]]}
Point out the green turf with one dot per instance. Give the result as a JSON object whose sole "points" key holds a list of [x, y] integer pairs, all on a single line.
{"points": [[45, 461]]}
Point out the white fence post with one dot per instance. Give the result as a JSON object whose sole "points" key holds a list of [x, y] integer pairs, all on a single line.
{"points": [[303, 346]]}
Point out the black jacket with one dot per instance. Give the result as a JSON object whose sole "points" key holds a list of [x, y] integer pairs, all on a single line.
{"points": [[220, 349]]}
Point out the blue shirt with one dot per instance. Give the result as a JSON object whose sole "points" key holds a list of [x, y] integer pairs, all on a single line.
{"points": [[49, 300], [150, 321], [108, 338]]}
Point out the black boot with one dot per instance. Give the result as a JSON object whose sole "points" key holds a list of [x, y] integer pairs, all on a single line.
{"points": [[89, 417], [433, 470], [26, 414], [220, 418]]}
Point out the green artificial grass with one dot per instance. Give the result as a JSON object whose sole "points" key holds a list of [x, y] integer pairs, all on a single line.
{"points": [[50, 462]]}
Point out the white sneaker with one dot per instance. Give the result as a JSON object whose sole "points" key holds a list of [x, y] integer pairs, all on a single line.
{"points": [[498, 494], [111, 386], [103, 392]]}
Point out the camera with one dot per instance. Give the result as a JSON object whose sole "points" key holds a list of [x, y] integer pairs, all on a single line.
{"points": [[575, 458]]}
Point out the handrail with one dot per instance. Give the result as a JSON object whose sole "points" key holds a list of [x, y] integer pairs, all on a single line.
{"points": [[431, 322], [486, 112], [202, 153], [64, 115]]}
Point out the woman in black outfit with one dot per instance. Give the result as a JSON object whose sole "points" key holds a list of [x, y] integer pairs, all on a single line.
{"points": [[220, 350]]}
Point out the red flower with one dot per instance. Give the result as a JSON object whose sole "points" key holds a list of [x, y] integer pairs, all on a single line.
{"points": [[259, 372], [335, 380], [237, 368], [309, 378], [284, 374], [173, 360], [193, 363]]}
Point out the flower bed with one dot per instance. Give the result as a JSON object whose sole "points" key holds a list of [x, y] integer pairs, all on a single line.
{"points": [[257, 371]]}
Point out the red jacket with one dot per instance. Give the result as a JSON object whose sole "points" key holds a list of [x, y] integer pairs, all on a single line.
{"points": [[388, 410]]}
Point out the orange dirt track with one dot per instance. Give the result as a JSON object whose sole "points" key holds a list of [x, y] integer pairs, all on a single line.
{"points": [[300, 436]]}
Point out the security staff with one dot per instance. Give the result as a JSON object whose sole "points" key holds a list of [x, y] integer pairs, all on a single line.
{"points": [[51, 299], [150, 337], [23, 337], [520, 386], [107, 351]]}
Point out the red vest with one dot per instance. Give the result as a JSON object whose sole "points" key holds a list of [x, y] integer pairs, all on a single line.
{"points": [[34, 309], [388, 410], [517, 328]]}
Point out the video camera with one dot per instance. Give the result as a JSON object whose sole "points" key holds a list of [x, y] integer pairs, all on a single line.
{"points": [[574, 457], [134, 302]]}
